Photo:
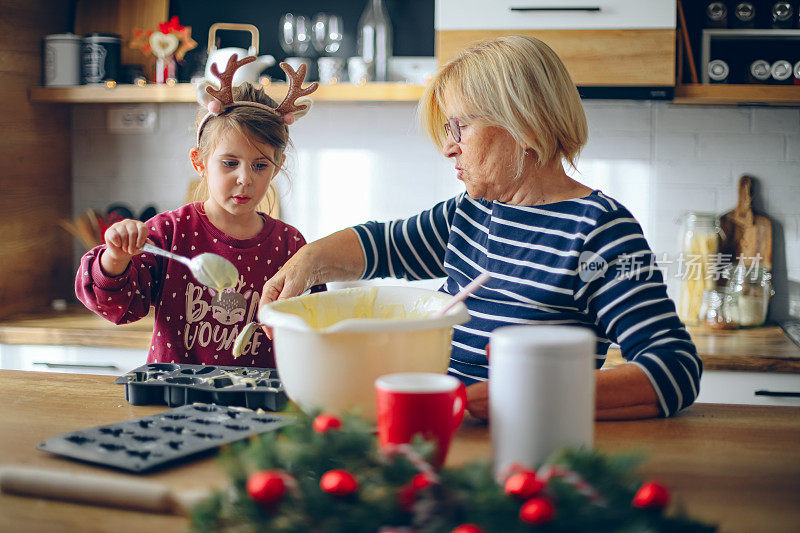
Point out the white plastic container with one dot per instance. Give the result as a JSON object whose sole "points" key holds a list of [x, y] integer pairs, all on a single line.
{"points": [[330, 347], [62, 60], [541, 393]]}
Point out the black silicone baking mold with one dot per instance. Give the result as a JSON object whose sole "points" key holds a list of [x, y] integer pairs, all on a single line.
{"points": [[179, 384], [140, 444]]}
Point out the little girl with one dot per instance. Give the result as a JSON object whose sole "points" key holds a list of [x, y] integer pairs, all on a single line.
{"points": [[241, 138]]}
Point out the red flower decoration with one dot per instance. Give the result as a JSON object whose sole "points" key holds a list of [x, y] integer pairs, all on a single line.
{"points": [[524, 485], [651, 496], [266, 486], [170, 26], [324, 423], [338, 482], [537, 511]]}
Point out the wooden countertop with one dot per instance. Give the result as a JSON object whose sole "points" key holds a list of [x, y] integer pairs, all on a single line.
{"points": [[736, 466], [765, 349]]}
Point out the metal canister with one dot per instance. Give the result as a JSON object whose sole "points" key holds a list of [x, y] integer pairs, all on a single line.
{"points": [[782, 15], [100, 57], [781, 72], [716, 15], [718, 71], [744, 15], [62, 60], [759, 71]]}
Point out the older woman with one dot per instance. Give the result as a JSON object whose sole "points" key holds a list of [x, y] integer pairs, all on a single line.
{"points": [[509, 116]]}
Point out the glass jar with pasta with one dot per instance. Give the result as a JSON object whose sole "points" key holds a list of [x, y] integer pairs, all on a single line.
{"points": [[699, 252]]}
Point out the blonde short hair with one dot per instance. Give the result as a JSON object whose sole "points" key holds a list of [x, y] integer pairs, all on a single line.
{"points": [[515, 82]]}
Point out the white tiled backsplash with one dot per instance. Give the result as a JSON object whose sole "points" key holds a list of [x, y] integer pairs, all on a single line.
{"points": [[354, 162]]}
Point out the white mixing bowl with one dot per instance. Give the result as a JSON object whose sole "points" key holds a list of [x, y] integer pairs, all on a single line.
{"points": [[330, 347]]}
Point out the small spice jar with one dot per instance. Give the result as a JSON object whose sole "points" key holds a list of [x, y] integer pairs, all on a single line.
{"points": [[750, 289], [715, 312]]}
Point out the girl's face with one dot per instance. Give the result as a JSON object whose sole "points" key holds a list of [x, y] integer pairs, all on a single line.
{"points": [[485, 156], [239, 172]]}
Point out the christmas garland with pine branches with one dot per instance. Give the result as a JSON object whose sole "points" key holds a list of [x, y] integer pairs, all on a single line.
{"points": [[326, 474]]}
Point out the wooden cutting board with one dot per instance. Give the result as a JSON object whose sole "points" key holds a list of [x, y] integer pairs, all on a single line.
{"points": [[745, 232]]}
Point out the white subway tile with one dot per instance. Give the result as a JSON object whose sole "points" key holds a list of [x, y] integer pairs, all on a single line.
{"points": [[702, 119], [675, 146], [693, 173], [793, 147], [740, 147], [773, 175], [781, 120], [669, 199], [617, 146], [625, 116]]}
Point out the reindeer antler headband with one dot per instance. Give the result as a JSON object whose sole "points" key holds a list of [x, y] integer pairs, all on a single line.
{"points": [[220, 100]]}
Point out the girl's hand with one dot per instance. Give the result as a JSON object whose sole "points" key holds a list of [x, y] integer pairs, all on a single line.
{"points": [[124, 239]]}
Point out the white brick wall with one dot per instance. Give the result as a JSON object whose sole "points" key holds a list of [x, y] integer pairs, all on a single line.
{"points": [[355, 162]]}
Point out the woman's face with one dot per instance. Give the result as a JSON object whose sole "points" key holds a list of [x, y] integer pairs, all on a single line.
{"points": [[485, 157]]}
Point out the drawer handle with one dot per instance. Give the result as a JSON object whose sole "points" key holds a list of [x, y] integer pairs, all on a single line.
{"points": [[780, 394], [590, 9], [76, 365]]}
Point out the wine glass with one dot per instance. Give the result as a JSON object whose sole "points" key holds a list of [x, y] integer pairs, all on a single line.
{"points": [[294, 34], [326, 33]]}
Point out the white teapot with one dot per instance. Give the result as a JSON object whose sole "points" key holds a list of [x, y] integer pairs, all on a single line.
{"points": [[249, 72]]}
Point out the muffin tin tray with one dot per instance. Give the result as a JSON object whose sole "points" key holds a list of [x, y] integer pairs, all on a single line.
{"points": [[140, 444], [179, 384]]}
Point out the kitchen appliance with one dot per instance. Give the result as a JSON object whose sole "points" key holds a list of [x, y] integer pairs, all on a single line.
{"points": [[219, 56], [330, 347], [100, 58], [62, 60]]}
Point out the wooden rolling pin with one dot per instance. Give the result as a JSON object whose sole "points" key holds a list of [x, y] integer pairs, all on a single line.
{"points": [[97, 490]]}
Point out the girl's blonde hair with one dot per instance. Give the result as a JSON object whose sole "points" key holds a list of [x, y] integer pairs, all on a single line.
{"points": [[515, 82], [255, 124]]}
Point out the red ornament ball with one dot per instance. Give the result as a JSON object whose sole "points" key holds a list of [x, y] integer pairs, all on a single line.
{"points": [[523, 485], [266, 486], [338, 482], [467, 528], [324, 423], [537, 511], [408, 493], [651, 496]]}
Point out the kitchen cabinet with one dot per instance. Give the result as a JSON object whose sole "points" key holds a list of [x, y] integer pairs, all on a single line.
{"points": [[603, 43], [749, 388], [72, 359]]}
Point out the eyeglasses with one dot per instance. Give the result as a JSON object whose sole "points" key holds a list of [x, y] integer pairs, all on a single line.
{"points": [[453, 128]]}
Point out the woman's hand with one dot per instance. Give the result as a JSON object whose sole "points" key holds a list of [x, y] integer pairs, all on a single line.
{"points": [[293, 279], [478, 400], [124, 239]]}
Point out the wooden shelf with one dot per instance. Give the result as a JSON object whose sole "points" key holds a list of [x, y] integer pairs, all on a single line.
{"points": [[723, 94], [184, 92]]}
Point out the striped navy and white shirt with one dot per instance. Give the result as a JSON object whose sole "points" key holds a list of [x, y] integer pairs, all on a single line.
{"points": [[534, 254]]}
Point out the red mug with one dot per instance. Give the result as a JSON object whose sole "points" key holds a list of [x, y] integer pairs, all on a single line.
{"points": [[409, 404]]}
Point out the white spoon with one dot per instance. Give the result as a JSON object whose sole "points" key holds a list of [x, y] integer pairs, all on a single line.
{"points": [[244, 336], [209, 269]]}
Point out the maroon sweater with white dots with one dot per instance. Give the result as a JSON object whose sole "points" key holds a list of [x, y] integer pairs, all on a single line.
{"points": [[193, 323]]}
